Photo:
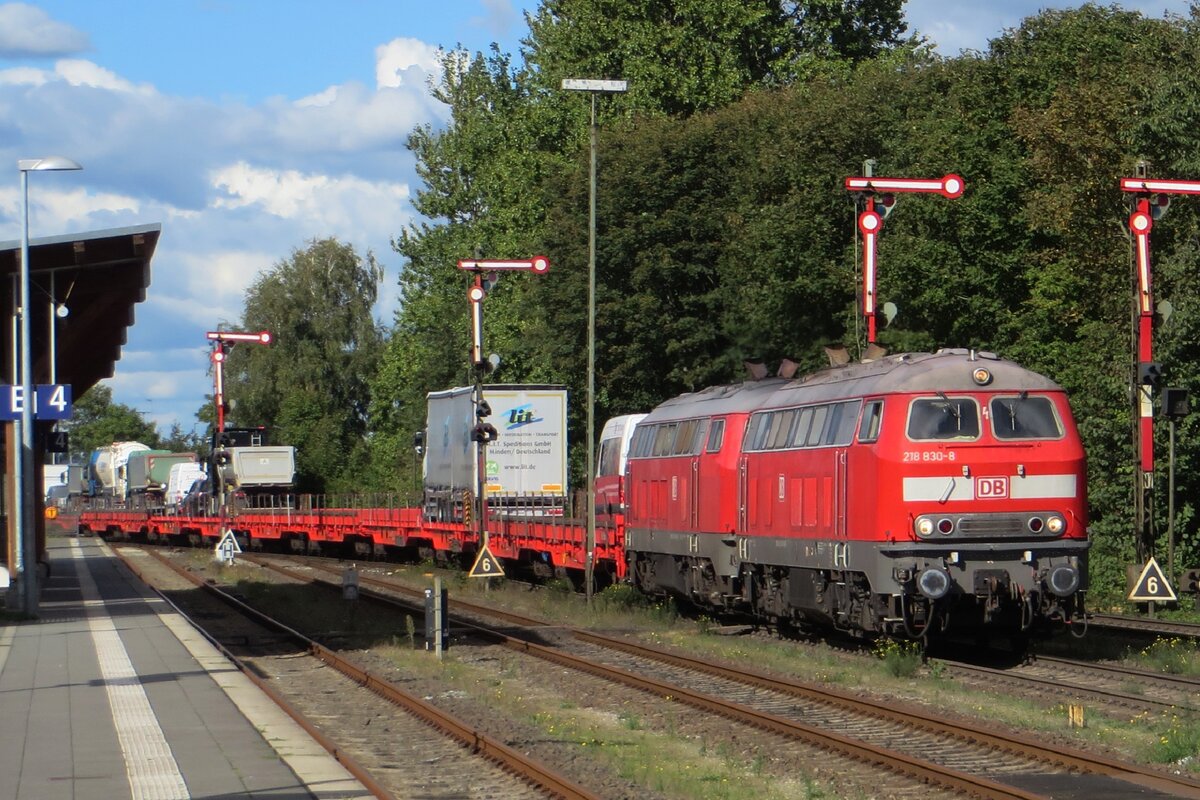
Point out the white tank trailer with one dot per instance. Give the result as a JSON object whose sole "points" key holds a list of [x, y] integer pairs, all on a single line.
{"points": [[107, 468]]}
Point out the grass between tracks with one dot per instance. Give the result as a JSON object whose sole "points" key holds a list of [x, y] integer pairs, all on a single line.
{"points": [[892, 672], [640, 743]]}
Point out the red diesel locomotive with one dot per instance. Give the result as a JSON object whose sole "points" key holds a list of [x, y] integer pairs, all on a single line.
{"points": [[913, 494]]}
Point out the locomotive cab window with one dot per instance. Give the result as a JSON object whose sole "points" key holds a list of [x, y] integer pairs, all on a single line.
{"points": [[716, 436], [942, 417], [1024, 417], [868, 429], [610, 457]]}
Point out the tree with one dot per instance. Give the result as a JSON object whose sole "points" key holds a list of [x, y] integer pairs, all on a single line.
{"points": [[311, 385], [98, 422], [685, 56]]}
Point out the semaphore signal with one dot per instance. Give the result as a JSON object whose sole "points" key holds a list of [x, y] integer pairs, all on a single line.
{"points": [[870, 222]]}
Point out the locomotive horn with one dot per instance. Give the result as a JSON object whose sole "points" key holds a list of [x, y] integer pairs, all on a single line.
{"points": [[787, 368]]}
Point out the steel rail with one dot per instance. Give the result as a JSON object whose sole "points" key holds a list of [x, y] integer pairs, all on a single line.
{"points": [[1068, 757], [476, 740], [1144, 626], [915, 768], [353, 767]]}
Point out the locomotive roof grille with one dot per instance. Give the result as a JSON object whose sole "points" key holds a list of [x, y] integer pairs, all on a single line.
{"points": [[947, 371]]}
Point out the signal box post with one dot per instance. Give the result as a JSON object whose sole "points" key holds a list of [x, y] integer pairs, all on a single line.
{"points": [[870, 221], [484, 432], [1150, 200], [223, 341]]}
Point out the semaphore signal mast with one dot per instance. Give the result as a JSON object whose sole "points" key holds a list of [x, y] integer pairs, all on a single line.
{"points": [[870, 221]]}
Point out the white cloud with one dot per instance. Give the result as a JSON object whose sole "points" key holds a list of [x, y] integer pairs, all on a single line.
{"points": [[394, 62], [26, 30], [345, 202], [214, 282], [73, 72], [78, 72], [320, 99], [25, 76]]}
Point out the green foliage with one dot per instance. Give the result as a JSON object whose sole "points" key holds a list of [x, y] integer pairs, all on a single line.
{"points": [[694, 55], [621, 597], [1178, 745], [901, 659], [311, 385], [1172, 656], [98, 422]]}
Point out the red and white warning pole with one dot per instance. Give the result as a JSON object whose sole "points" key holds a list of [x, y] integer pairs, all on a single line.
{"points": [[870, 223]]}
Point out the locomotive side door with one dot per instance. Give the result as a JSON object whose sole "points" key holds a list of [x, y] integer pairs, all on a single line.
{"points": [[841, 492], [743, 494]]}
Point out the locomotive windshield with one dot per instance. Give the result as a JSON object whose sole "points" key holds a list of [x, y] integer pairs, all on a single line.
{"points": [[943, 417], [1024, 417]]}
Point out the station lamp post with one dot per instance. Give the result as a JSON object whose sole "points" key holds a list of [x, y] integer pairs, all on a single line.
{"points": [[26, 535], [593, 88]]}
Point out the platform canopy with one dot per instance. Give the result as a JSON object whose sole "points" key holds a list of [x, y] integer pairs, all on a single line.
{"points": [[98, 277]]}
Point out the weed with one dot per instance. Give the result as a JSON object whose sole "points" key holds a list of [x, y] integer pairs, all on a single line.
{"points": [[1173, 657], [900, 658], [1179, 744], [559, 586], [622, 596]]}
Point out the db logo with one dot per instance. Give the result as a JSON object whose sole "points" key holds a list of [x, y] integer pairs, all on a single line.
{"points": [[992, 488]]}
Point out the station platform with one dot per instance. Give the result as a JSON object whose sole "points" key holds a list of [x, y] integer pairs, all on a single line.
{"points": [[109, 693]]}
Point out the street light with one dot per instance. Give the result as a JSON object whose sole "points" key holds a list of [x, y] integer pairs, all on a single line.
{"points": [[26, 536], [593, 88]]}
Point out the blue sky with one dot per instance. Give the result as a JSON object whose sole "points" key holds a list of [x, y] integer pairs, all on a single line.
{"points": [[248, 127]]}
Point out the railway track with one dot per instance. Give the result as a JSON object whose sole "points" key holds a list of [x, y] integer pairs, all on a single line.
{"points": [[1123, 690], [379, 731], [969, 759], [1144, 627]]}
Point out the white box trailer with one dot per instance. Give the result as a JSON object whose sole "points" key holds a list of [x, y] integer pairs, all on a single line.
{"points": [[526, 468]]}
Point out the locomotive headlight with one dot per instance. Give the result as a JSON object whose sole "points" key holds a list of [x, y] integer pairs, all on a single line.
{"points": [[982, 376], [945, 526], [933, 583], [924, 526], [1055, 524], [1063, 581]]}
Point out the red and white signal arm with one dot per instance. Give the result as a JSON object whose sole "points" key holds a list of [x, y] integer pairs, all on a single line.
{"points": [[262, 337], [1151, 185], [539, 265], [950, 185]]}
